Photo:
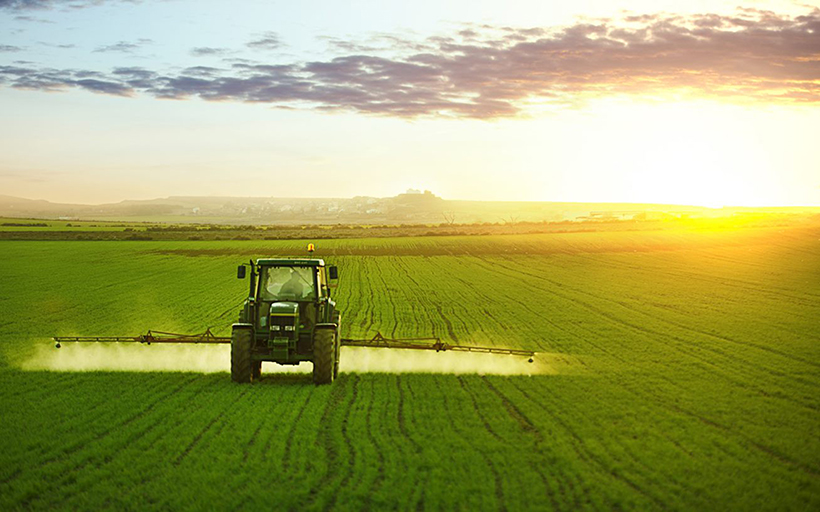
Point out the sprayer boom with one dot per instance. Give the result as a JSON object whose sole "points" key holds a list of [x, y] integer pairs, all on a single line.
{"points": [[377, 341], [150, 337]]}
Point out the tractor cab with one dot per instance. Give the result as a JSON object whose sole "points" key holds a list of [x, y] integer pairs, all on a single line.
{"points": [[291, 287], [287, 311]]}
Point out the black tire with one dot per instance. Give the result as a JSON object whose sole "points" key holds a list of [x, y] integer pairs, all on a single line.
{"points": [[324, 356], [256, 371], [241, 364]]}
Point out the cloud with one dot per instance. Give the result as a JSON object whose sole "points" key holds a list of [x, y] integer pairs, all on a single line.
{"points": [[61, 46], [205, 51], [25, 4], [488, 72], [22, 5], [51, 80], [123, 46], [31, 19], [268, 41], [7, 48]]}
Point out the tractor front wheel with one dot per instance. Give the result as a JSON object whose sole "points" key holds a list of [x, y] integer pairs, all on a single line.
{"points": [[241, 364], [324, 356]]}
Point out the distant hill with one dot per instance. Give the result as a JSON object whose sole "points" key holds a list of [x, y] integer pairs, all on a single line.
{"points": [[409, 208]]}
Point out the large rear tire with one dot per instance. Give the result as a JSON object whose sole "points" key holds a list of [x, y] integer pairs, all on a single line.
{"points": [[241, 341], [324, 356]]}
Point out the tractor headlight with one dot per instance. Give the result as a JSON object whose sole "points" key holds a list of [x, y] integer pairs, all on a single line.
{"points": [[274, 327], [288, 327]]}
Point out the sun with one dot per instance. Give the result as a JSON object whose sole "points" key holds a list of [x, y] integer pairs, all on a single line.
{"points": [[694, 153]]}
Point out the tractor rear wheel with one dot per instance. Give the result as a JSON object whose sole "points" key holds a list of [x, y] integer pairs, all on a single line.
{"points": [[324, 356], [241, 364]]}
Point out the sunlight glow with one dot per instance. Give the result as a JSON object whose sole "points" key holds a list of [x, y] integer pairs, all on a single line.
{"points": [[696, 152]]}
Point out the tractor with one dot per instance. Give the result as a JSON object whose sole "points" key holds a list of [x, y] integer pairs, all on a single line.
{"points": [[288, 317]]}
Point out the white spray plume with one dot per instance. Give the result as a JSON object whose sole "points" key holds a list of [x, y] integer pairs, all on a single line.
{"points": [[217, 358]]}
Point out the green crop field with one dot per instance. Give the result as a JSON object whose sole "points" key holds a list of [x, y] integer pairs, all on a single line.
{"points": [[679, 369]]}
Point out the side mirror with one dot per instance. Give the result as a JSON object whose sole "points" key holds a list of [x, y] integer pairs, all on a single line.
{"points": [[332, 273], [240, 272]]}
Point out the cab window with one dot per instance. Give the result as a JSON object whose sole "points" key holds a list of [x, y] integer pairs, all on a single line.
{"points": [[288, 283]]}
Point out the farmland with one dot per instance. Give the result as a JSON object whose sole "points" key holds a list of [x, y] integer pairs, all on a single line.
{"points": [[685, 374]]}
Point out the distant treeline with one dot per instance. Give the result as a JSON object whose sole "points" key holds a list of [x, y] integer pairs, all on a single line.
{"points": [[221, 232], [195, 232]]}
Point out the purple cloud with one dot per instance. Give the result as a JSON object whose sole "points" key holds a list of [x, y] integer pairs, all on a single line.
{"points": [[268, 41], [207, 51], [488, 72], [22, 5], [123, 46]]}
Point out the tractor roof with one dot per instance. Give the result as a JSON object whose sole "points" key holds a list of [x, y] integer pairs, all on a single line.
{"points": [[291, 262]]}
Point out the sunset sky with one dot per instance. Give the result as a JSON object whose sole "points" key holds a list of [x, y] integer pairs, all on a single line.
{"points": [[698, 102]]}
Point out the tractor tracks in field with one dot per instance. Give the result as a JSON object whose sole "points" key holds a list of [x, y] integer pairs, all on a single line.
{"points": [[114, 429], [402, 420], [90, 416], [351, 461], [100, 459], [389, 299], [641, 468], [477, 409], [449, 325], [263, 415], [338, 400], [295, 425], [368, 428], [132, 439], [680, 344], [689, 328], [456, 426], [733, 282], [767, 450], [12, 477], [177, 462], [538, 439], [158, 384], [219, 416], [558, 285], [564, 486], [56, 381], [418, 298], [580, 449]]}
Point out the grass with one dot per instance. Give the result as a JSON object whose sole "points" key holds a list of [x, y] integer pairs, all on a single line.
{"points": [[689, 379]]}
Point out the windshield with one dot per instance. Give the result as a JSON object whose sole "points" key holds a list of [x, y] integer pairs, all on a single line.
{"points": [[287, 283]]}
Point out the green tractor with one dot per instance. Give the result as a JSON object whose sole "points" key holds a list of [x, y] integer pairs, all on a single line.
{"points": [[288, 317]]}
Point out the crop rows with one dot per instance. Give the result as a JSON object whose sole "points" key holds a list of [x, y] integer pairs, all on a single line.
{"points": [[686, 375]]}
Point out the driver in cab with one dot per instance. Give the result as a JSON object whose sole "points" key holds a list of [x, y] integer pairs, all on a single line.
{"points": [[293, 286]]}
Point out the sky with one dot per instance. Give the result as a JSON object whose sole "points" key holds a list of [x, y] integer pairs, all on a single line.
{"points": [[710, 103]]}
